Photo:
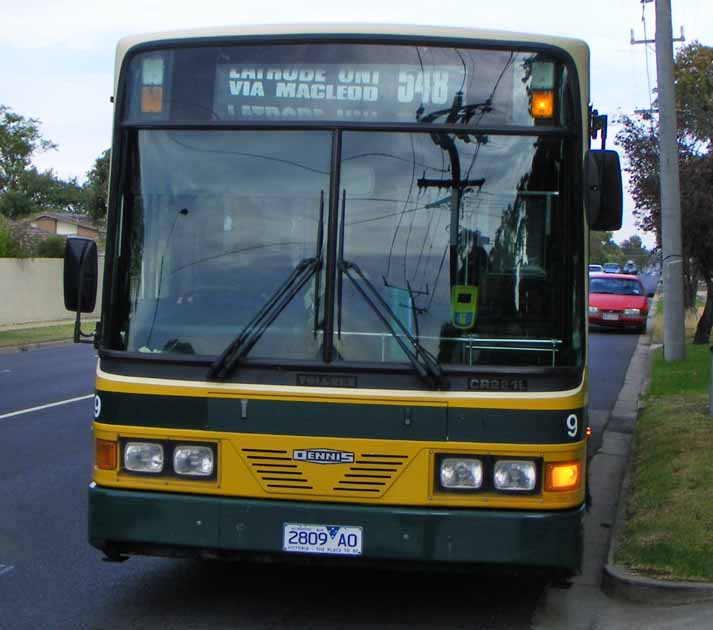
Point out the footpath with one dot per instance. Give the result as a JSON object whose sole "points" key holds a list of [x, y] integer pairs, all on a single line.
{"points": [[606, 596]]}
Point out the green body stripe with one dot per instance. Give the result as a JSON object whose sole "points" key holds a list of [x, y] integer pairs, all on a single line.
{"points": [[389, 422]]}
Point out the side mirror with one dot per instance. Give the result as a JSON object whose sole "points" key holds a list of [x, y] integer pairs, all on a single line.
{"points": [[80, 274], [603, 195]]}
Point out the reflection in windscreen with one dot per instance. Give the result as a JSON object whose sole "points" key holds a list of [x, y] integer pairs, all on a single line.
{"points": [[218, 221], [473, 268], [463, 236]]}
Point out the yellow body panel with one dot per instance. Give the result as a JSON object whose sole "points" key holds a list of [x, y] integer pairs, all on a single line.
{"points": [[410, 483]]}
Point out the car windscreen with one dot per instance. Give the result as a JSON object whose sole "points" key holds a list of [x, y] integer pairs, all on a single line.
{"points": [[615, 286]]}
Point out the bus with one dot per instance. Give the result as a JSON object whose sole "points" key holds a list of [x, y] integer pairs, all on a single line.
{"points": [[344, 299]]}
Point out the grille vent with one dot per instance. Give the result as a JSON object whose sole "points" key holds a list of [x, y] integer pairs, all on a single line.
{"points": [[276, 469], [369, 475]]}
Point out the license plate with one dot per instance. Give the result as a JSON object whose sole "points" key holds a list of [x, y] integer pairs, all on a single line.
{"points": [[612, 317], [341, 540]]}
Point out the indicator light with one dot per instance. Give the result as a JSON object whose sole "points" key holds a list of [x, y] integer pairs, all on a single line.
{"points": [[562, 476], [105, 454], [542, 104]]}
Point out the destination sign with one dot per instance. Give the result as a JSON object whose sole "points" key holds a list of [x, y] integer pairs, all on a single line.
{"points": [[364, 92]]}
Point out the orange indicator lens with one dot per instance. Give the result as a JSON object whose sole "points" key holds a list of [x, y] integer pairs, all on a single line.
{"points": [[151, 99], [105, 454], [542, 104], [562, 476]]}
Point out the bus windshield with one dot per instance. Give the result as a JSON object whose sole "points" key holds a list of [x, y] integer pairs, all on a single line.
{"points": [[218, 220]]}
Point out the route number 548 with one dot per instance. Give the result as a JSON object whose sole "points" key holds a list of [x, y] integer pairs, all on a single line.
{"points": [[431, 87]]}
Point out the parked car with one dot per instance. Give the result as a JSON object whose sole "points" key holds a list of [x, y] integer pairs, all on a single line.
{"points": [[612, 268], [617, 301], [595, 268], [630, 268]]}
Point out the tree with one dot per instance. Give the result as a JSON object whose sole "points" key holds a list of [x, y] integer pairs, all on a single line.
{"points": [[639, 139], [20, 139], [10, 245], [633, 249], [52, 247], [602, 248], [96, 187], [693, 80], [697, 199]]}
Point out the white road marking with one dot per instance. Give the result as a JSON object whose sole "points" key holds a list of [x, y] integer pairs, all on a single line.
{"points": [[4, 568], [47, 406]]}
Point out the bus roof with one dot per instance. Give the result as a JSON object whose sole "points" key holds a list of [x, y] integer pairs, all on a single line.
{"points": [[577, 48]]}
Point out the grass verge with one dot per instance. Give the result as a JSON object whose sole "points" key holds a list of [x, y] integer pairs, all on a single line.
{"points": [[669, 513], [25, 336]]}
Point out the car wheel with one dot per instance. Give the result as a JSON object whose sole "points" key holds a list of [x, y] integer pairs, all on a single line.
{"points": [[642, 329]]}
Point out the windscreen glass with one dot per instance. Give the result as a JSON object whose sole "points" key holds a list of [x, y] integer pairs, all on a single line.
{"points": [[465, 240], [216, 224], [616, 286]]}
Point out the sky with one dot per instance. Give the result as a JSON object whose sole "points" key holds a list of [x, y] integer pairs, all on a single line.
{"points": [[57, 56]]}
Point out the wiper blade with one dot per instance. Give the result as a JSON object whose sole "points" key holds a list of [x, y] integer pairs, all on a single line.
{"points": [[425, 364], [277, 302], [263, 319]]}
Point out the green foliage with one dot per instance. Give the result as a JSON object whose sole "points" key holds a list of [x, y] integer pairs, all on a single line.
{"points": [[10, 245], [96, 188], [689, 376], [25, 336], [23, 189], [694, 90], [670, 505], [602, 248], [639, 139], [20, 138], [52, 247]]}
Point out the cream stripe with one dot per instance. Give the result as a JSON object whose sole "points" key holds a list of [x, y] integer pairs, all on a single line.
{"points": [[363, 396]]}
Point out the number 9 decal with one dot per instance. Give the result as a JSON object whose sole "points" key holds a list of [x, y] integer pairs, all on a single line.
{"points": [[97, 405], [572, 425]]}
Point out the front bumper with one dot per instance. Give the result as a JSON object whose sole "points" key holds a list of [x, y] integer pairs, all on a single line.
{"points": [[158, 523], [622, 322]]}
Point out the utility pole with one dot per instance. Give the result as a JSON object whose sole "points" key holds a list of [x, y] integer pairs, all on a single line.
{"points": [[673, 307]]}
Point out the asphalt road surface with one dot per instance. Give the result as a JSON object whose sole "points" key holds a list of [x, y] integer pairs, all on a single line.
{"points": [[51, 578]]}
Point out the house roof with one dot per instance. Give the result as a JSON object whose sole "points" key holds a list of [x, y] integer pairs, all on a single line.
{"points": [[69, 217]]}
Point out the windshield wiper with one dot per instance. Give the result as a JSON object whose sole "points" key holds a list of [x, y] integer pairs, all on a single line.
{"points": [[425, 364], [276, 303], [263, 319]]}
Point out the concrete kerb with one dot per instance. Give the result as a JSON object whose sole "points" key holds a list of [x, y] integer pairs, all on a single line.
{"points": [[617, 580]]}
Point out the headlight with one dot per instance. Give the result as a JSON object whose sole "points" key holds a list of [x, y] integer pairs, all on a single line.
{"points": [[593, 310], [458, 473], [193, 460], [514, 475], [632, 312], [143, 457]]}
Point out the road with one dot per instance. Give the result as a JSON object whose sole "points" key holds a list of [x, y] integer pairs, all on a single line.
{"points": [[51, 578]]}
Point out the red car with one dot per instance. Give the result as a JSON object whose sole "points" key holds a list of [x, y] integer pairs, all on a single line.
{"points": [[617, 300]]}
